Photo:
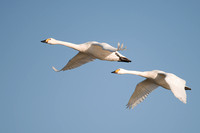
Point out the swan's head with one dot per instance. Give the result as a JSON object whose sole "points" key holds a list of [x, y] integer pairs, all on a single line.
{"points": [[50, 41], [119, 71]]}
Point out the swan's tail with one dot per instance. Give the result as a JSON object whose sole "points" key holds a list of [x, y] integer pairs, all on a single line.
{"points": [[187, 88], [124, 59], [56, 70]]}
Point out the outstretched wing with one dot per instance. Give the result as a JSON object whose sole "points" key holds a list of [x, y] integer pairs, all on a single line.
{"points": [[105, 46], [177, 86], [76, 61], [141, 92]]}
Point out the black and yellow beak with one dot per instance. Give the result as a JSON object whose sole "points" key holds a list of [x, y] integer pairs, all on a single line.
{"points": [[116, 71], [44, 41], [113, 72]]}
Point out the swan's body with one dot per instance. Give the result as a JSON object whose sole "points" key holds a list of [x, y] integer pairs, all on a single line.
{"points": [[154, 79], [88, 52]]}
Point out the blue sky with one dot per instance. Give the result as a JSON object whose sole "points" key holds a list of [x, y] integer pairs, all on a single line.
{"points": [[158, 34]]}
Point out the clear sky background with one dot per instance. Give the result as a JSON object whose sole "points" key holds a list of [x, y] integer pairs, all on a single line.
{"points": [[159, 34]]}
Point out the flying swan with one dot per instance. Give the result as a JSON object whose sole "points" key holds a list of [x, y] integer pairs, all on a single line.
{"points": [[89, 51], [154, 79]]}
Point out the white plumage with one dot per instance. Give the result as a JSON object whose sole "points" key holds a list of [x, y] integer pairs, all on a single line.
{"points": [[154, 79], [88, 52]]}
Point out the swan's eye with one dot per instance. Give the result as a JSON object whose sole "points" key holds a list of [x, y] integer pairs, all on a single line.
{"points": [[117, 70], [48, 40]]}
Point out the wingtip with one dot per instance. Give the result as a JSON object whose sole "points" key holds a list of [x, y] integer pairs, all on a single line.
{"points": [[183, 100], [128, 106], [56, 70]]}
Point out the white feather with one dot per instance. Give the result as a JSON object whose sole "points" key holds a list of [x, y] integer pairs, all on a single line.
{"points": [[143, 89], [88, 52], [154, 79]]}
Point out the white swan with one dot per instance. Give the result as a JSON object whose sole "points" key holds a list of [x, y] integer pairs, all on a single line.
{"points": [[154, 79], [88, 52]]}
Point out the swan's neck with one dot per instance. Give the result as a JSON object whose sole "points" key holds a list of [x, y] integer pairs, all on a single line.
{"points": [[70, 45], [142, 74]]}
